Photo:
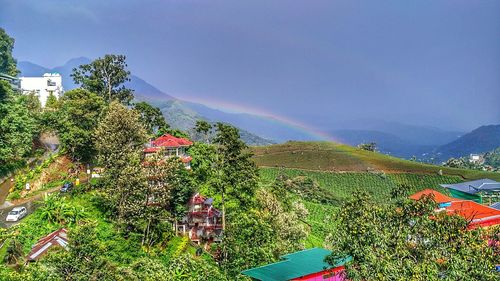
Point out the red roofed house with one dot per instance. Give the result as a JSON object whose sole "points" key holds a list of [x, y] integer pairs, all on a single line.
{"points": [[58, 238], [475, 213], [203, 221], [171, 146]]}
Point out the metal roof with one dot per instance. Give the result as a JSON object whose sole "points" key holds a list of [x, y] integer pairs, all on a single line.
{"points": [[295, 265], [473, 187], [495, 205]]}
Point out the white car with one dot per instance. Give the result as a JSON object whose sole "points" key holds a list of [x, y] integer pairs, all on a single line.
{"points": [[16, 214]]}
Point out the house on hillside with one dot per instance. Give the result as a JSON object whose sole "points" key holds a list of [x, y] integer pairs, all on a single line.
{"points": [[43, 87], [170, 146], [304, 265], [203, 222], [478, 215], [58, 238], [485, 191]]}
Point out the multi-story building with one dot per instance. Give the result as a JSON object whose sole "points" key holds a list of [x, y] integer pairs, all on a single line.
{"points": [[43, 87], [170, 146]]}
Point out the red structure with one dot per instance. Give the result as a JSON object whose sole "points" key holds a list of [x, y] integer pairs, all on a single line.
{"points": [[478, 215], [58, 238], [203, 222], [170, 146]]}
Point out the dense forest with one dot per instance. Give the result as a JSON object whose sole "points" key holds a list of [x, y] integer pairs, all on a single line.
{"points": [[115, 234]]}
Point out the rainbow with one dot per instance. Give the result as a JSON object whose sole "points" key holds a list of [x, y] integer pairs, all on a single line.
{"points": [[229, 107]]}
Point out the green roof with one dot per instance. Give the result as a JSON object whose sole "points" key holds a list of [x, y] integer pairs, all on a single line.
{"points": [[295, 265]]}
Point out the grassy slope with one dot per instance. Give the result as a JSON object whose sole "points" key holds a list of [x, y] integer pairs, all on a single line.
{"points": [[341, 169], [329, 156]]}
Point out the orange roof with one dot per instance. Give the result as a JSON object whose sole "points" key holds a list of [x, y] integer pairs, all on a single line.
{"points": [[475, 213], [437, 196]]}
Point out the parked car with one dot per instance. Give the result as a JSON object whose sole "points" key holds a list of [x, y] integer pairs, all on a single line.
{"points": [[16, 214], [66, 187]]}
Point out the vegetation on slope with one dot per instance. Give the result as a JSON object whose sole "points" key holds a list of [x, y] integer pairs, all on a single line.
{"points": [[333, 157]]}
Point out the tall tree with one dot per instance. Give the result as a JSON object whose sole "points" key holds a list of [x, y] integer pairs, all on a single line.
{"points": [[105, 76], [409, 241], [151, 117], [77, 120], [8, 64], [235, 173], [203, 127], [120, 139], [17, 125]]}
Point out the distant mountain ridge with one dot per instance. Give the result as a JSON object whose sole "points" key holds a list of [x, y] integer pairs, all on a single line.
{"points": [[177, 112], [480, 140]]}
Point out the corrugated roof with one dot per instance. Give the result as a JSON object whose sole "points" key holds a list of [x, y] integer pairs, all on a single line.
{"points": [[473, 187], [295, 265], [495, 205], [475, 213]]}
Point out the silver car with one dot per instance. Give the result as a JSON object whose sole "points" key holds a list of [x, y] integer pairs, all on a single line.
{"points": [[16, 214]]}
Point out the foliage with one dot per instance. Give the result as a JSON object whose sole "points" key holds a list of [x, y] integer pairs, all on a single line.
{"points": [[203, 127], [340, 186], [371, 146], [333, 157], [17, 125], [57, 209], [492, 158], [79, 115], [151, 117], [105, 77], [51, 101], [408, 241], [8, 64]]}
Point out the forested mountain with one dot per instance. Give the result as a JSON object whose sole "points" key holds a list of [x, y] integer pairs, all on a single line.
{"points": [[480, 140]]}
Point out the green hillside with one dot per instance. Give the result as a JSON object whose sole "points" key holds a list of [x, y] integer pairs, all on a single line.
{"points": [[333, 157]]}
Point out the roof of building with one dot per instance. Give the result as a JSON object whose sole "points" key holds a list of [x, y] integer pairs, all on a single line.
{"points": [[437, 196], [473, 187], [56, 238], [295, 265], [170, 141], [477, 214], [495, 205]]}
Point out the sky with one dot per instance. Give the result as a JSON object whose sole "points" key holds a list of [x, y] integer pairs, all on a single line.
{"points": [[320, 63]]}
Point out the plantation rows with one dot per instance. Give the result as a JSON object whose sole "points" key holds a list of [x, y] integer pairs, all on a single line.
{"points": [[342, 185]]}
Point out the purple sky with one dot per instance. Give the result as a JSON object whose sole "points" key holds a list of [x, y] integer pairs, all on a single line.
{"points": [[319, 62]]}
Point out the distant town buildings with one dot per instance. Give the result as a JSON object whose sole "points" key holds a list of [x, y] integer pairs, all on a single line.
{"points": [[43, 87], [476, 158]]}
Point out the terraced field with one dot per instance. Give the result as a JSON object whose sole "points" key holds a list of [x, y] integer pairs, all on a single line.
{"points": [[333, 157]]}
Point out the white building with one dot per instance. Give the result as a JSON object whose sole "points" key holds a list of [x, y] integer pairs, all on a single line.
{"points": [[43, 86]]}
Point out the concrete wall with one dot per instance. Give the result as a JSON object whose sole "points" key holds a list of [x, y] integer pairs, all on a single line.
{"points": [[43, 86]]}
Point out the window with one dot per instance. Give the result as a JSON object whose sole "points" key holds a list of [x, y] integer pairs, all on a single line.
{"points": [[51, 83]]}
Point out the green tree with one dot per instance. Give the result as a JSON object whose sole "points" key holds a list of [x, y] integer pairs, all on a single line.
{"points": [[8, 64], [120, 138], [151, 117], [51, 101], [78, 117], [371, 146], [235, 177], [18, 126], [105, 76], [409, 241], [203, 127]]}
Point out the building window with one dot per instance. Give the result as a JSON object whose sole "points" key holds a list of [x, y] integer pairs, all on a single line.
{"points": [[50, 83]]}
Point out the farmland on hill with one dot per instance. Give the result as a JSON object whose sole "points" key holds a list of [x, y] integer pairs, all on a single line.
{"points": [[333, 157]]}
